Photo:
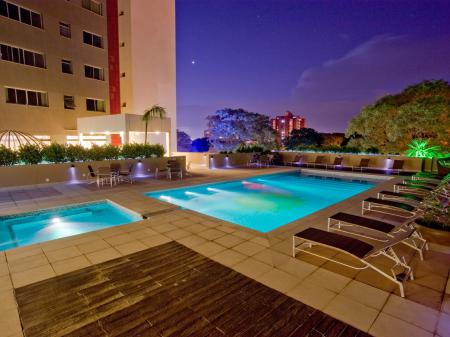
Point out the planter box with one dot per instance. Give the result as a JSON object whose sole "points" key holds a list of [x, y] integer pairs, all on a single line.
{"points": [[20, 175], [436, 236]]}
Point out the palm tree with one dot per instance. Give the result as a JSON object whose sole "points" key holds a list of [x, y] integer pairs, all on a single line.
{"points": [[155, 111]]}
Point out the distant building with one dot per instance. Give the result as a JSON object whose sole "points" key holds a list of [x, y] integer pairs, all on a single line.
{"points": [[284, 125]]}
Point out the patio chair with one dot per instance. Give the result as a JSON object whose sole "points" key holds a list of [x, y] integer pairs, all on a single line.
{"points": [[104, 174], [384, 231], [298, 161], [255, 160], [388, 195], [320, 160], [93, 176], [126, 174], [363, 164], [337, 163], [397, 166], [389, 207], [164, 169], [360, 251], [174, 168]]}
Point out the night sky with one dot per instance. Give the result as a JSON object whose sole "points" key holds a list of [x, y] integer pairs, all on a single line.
{"points": [[323, 60]]}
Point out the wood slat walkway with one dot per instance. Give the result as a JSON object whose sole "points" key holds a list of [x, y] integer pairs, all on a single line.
{"points": [[167, 290]]}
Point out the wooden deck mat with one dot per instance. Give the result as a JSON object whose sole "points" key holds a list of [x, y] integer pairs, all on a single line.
{"points": [[167, 290]]}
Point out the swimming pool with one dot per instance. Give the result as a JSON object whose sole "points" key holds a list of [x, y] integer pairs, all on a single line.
{"points": [[264, 202], [44, 225]]}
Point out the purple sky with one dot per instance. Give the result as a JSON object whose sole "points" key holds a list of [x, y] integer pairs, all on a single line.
{"points": [[323, 60]]}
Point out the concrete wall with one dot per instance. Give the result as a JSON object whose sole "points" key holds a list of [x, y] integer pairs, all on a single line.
{"points": [[53, 120], [216, 160], [19, 175]]}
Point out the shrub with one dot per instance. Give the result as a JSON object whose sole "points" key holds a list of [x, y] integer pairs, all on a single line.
{"points": [[131, 151], [54, 153], [158, 150], [111, 151], [249, 148], [7, 156], [95, 153], [30, 154], [76, 153]]}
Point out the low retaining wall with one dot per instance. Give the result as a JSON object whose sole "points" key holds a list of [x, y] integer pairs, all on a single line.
{"points": [[20, 175], [217, 160]]}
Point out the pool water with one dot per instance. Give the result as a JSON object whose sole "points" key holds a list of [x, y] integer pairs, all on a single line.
{"points": [[264, 202], [33, 227]]}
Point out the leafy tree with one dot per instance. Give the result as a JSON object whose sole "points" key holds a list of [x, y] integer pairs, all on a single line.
{"points": [[75, 153], [183, 141], [200, 145], [392, 122], [229, 128], [30, 154], [303, 137], [54, 153], [155, 111]]}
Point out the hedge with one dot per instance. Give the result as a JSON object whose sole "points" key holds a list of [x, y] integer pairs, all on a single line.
{"points": [[58, 153]]}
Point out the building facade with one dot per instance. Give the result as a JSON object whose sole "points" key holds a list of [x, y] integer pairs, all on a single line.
{"points": [[284, 124], [63, 61]]}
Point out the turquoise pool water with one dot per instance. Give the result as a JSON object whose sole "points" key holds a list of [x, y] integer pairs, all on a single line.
{"points": [[265, 202], [33, 227]]}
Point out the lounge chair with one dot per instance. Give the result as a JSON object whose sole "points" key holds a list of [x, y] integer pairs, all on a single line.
{"points": [[412, 188], [359, 250], [298, 161], [363, 164], [320, 160], [397, 166], [388, 195], [385, 231], [421, 182], [336, 163], [389, 207]]}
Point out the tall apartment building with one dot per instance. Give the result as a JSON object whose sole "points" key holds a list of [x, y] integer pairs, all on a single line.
{"points": [[284, 124], [83, 71]]}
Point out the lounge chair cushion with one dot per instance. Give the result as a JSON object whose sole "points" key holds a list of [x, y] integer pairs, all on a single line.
{"points": [[355, 247], [416, 186], [402, 195], [362, 221], [390, 203]]}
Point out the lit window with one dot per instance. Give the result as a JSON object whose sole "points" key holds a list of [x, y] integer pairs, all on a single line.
{"points": [[26, 97], [65, 30], [66, 66], [93, 39], [93, 72], [22, 56], [93, 104], [18, 13], [69, 102]]}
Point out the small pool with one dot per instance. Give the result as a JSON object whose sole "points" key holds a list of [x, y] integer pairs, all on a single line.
{"points": [[264, 202], [49, 224]]}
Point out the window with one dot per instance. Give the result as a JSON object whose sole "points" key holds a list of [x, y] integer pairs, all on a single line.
{"points": [[64, 30], [93, 72], [69, 102], [95, 104], [66, 66], [92, 39], [24, 15], [22, 56], [26, 97], [93, 6]]}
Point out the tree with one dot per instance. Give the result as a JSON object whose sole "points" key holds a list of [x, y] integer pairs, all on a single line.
{"points": [[200, 145], [155, 111], [183, 141], [421, 111], [228, 128], [303, 137]]}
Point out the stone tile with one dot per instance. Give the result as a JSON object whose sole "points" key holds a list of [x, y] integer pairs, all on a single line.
{"points": [[21, 252], [261, 241], [70, 264], [108, 232], [5, 283], [119, 239], [365, 294], [443, 327], [166, 227], [177, 234], [243, 234], [388, 326], [252, 268], [55, 245], [8, 300], [130, 247], [10, 323], [414, 313], [28, 262], [229, 240], [93, 246], [279, 280], [191, 241], [211, 234], [143, 233], [4, 270], [155, 240], [327, 279], [351, 312], [447, 288], [62, 254], [248, 248], [229, 257], [196, 228], [226, 228], [446, 304], [208, 248], [2, 257], [312, 295], [296, 267], [32, 275], [103, 255]]}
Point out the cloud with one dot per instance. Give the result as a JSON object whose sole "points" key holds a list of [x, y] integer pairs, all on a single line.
{"points": [[330, 94]]}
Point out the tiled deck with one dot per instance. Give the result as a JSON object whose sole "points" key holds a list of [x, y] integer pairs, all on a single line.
{"points": [[363, 299]]}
